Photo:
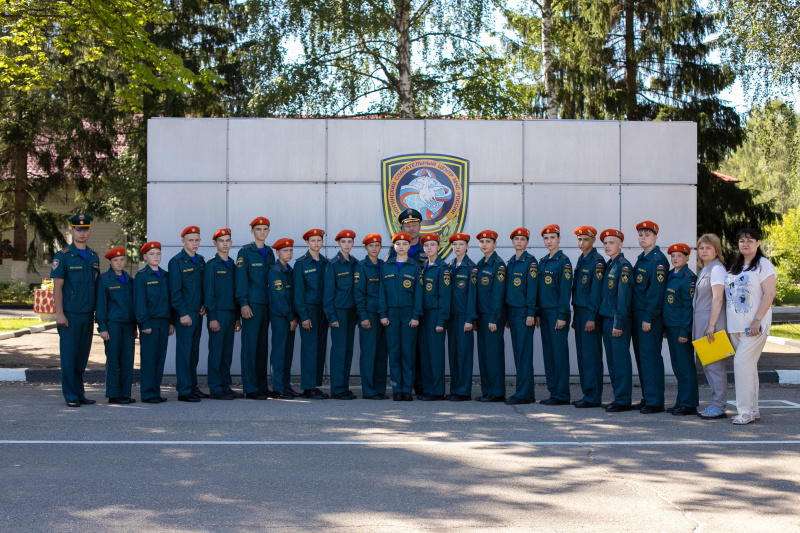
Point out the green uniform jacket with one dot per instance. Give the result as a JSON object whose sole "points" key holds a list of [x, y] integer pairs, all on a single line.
{"points": [[281, 292], [219, 286], [436, 282], [617, 292], [523, 287], [366, 287], [309, 283], [400, 287], [114, 300], [650, 283], [555, 284], [338, 292], [186, 283], [251, 275], [80, 278], [151, 296], [464, 291], [491, 295], [678, 311], [587, 283]]}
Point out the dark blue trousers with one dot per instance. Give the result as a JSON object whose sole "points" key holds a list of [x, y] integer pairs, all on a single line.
{"points": [[119, 359], [460, 351], [282, 353], [432, 353], [313, 345], [682, 356], [220, 352], [75, 343], [650, 362], [152, 356], [342, 339], [555, 351], [255, 350], [187, 354], [401, 340], [618, 355], [522, 344], [491, 357], [590, 355], [373, 357]]}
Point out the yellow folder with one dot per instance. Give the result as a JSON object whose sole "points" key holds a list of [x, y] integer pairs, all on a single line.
{"points": [[708, 352]]}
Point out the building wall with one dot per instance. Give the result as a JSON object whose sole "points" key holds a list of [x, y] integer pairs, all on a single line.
{"points": [[305, 173]]}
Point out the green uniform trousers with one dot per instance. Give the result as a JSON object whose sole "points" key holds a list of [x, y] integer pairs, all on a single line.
{"points": [[618, 357], [650, 363], [312, 349], [682, 356], [373, 356], [342, 339], [432, 353], [522, 344], [152, 356], [75, 343], [255, 350], [220, 352], [187, 354], [119, 358], [491, 357], [282, 353], [590, 355], [401, 340], [555, 351], [460, 352]]}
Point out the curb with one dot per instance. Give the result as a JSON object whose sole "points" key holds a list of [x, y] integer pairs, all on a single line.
{"points": [[775, 377], [27, 331], [783, 341]]}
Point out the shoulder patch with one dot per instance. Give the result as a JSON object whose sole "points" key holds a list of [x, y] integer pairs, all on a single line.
{"points": [[141, 271], [239, 262], [64, 251]]}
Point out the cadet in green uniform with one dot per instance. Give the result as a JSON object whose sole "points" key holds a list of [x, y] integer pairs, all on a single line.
{"points": [[615, 308], [373, 352], [555, 287], [587, 292], [219, 295], [309, 284], [75, 272], [151, 303], [490, 305], [461, 324], [435, 313], [678, 313], [648, 327], [186, 298], [283, 317], [116, 324], [339, 305], [521, 295], [252, 266], [400, 308]]}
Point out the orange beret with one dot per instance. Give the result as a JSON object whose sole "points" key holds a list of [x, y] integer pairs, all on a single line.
{"points": [[459, 237], [680, 247], [259, 221], [117, 251], [282, 243], [647, 225], [372, 237], [586, 230], [612, 233], [149, 246], [345, 234], [551, 228], [429, 237], [312, 232], [520, 232], [221, 232], [401, 236], [487, 234], [190, 229]]}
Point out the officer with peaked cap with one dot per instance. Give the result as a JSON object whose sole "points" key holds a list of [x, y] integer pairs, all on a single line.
{"points": [[463, 314], [186, 298], [436, 282], [490, 304], [253, 263], [153, 313], [283, 318], [650, 276], [373, 356], [116, 324], [587, 292], [75, 271], [521, 294], [309, 285]]}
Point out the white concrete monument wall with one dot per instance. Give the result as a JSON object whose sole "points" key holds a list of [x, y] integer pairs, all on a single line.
{"points": [[306, 173]]}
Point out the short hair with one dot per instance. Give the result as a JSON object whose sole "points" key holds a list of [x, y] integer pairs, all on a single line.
{"points": [[714, 241]]}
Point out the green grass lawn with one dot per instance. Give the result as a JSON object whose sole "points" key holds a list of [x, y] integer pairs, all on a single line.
{"points": [[787, 331], [12, 324]]}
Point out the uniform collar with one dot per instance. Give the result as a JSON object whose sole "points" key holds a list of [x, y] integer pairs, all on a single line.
{"points": [[189, 257], [523, 257], [494, 258], [558, 255], [652, 255], [221, 260], [74, 250], [438, 262], [342, 260], [367, 262], [150, 270], [114, 274]]}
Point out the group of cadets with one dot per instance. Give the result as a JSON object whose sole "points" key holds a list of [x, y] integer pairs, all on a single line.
{"points": [[409, 310]]}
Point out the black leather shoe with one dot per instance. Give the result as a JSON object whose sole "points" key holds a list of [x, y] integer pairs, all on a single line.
{"points": [[431, 398], [459, 398], [113, 400], [349, 394], [200, 394], [151, 400], [221, 396], [256, 396], [553, 401], [583, 404], [292, 392], [124, 400], [398, 397], [490, 399], [670, 409], [517, 401], [638, 406], [374, 397], [74, 403], [684, 411], [130, 400], [162, 399], [607, 405], [85, 401], [619, 408], [286, 395], [235, 395], [343, 396], [275, 395], [408, 397], [314, 394], [651, 409], [191, 398]]}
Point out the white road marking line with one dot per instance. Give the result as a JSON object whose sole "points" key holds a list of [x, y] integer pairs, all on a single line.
{"points": [[402, 443], [783, 404]]}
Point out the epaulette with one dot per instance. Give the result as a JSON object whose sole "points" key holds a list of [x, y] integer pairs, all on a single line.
{"points": [[335, 259], [105, 275], [247, 246], [303, 257], [64, 251], [142, 271]]}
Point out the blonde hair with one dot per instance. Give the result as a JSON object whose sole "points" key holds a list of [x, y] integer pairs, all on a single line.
{"points": [[712, 240]]}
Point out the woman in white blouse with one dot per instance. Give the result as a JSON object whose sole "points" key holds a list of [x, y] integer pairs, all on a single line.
{"points": [[709, 318], [750, 289]]}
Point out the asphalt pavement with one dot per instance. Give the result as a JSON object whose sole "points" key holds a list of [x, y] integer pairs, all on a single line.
{"points": [[248, 465]]}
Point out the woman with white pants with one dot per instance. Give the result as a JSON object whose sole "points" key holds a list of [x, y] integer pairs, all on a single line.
{"points": [[750, 289]]}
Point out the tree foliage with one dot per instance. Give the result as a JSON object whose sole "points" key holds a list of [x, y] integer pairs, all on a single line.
{"points": [[781, 244]]}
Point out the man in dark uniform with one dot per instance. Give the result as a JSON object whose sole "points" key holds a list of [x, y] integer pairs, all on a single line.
{"points": [[283, 318], [463, 314], [75, 272], [615, 308], [587, 292], [219, 290], [339, 305], [648, 327], [116, 324], [186, 298], [252, 267], [436, 295], [521, 294], [490, 304], [151, 303], [309, 285], [373, 355]]}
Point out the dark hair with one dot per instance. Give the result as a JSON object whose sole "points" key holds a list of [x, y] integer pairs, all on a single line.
{"points": [[738, 263]]}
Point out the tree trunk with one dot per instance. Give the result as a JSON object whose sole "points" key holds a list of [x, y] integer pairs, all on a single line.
{"points": [[631, 65], [405, 87], [547, 60], [18, 264]]}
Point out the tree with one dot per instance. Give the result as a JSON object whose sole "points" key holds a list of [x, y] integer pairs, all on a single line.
{"points": [[781, 243]]}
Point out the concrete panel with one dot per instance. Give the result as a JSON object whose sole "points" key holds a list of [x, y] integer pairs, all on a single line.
{"points": [[496, 207], [493, 147], [593, 148], [570, 206], [187, 149], [659, 152], [673, 208], [366, 218], [356, 147], [276, 149], [173, 206], [292, 209]]}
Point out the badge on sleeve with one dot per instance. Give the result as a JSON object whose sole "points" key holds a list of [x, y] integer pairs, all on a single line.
{"points": [[599, 274], [446, 278], [55, 264], [567, 272], [356, 277], [624, 276], [501, 274], [278, 285], [660, 277], [239, 262]]}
